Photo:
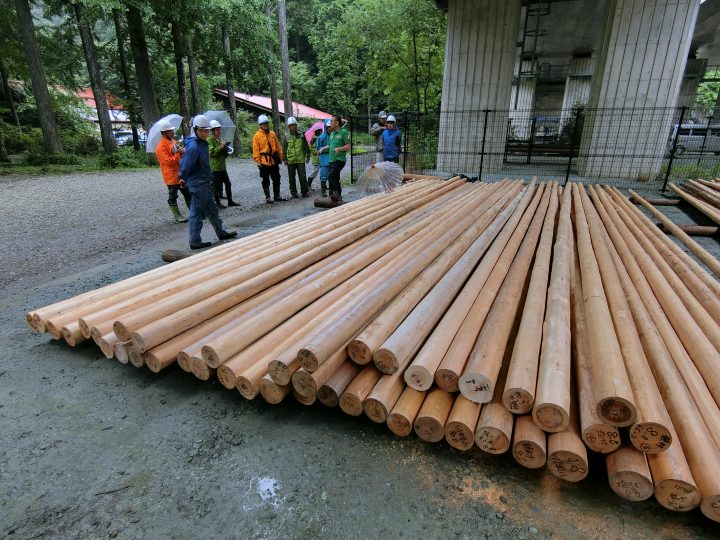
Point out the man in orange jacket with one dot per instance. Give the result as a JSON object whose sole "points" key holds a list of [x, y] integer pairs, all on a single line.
{"points": [[268, 156], [168, 153]]}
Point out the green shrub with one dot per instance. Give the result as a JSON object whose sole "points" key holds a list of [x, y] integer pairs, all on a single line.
{"points": [[125, 158], [44, 158]]}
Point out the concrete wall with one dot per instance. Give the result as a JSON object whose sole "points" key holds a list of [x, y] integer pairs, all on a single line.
{"points": [[694, 72]]}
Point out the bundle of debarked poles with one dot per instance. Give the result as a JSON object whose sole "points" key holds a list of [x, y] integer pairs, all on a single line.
{"points": [[536, 319]]}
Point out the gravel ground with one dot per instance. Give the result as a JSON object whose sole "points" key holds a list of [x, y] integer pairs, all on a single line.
{"points": [[91, 448]]}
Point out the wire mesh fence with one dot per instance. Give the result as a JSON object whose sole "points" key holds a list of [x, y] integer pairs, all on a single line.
{"points": [[640, 148]]}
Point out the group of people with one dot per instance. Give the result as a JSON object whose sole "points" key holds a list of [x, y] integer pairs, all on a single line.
{"points": [[388, 138]]}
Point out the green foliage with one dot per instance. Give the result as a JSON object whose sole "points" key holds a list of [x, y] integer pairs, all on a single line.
{"points": [[125, 158], [707, 93], [44, 158]]}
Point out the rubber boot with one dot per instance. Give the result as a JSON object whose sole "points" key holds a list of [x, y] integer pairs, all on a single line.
{"points": [[230, 201], [323, 188], [179, 218]]}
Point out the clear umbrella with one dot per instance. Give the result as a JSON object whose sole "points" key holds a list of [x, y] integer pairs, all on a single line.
{"points": [[154, 136], [227, 128], [381, 177]]}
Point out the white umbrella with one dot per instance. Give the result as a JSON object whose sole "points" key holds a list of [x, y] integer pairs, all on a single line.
{"points": [[153, 138], [227, 128]]}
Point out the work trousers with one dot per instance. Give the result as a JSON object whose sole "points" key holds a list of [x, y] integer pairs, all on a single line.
{"points": [[203, 206], [221, 179], [334, 177], [267, 172], [314, 170], [173, 195], [298, 168]]}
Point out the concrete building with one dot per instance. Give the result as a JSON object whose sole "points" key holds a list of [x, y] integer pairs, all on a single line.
{"points": [[629, 62]]}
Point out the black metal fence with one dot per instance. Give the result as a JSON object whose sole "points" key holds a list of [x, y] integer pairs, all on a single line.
{"points": [[641, 148]]}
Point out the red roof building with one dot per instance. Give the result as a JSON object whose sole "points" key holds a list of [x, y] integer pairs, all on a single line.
{"points": [[262, 104]]}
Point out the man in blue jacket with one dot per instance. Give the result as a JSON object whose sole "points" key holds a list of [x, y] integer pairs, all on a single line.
{"points": [[392, 141], [324, 157], [195, 172]]}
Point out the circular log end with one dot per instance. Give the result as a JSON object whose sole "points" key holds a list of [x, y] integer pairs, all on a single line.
{"points": [[53, 330], [710, 507], [399, 424], [137, 341], [39, 324], [226, 377], [518, 400], [271, 392], [327, 396], [107, 348], [492, 440], [418, 377], [183, 360], [121, 353], [447, 380], [617, 411], [137, 359], [631, 485], [68, 336], [359, 352], [304, 400], [650, 437], [153, 362], [85, 328], [568, 466], [677, 495], [201, 370], [210, 356], [529, 454], [94, 334], [304, 384], [120, 331], [351, 404], [385, 361], [31, 320], [429, 429], [459, 435], [551, 417], [246, 387], [279, 372], [476, 387], [308, 360], [601, 438], [375, 410]]}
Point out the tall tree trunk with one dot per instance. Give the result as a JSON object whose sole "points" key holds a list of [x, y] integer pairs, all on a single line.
{"points": [[143, 73], [8, 92], [3, 151], [180, 70], [46, 114], [273, 77], [227, 60], [192, 68], [129, 98], [88, 45], [285, 60]]}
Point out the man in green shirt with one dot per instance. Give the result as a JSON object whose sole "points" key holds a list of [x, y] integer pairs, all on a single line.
{"points": [[218, 150], [338, 147], [297, 154]]}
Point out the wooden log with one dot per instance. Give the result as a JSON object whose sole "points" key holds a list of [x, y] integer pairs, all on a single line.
{"points": [[429, 424], [675, 487], [698, 346], [107, 344], [249, 381], [136, 357], [201, 370], [462, 422], [650, 432], [329, 393], [611, 387], [305, 400], [655, 202], [597, 434], [447, 375], [480, 375], [421, 373], [628, 473], [706, 183], [272, 392], [183, 362], [382, 398], [307, 384], [495, 425], [529, 443], [352, 398], [567, 455], [709, 195], [121, 353], [711, 262], [326, 202], [703, 207], [71, 333], [402, 417], [692, 230], [519, 393], [173, 255], [429, 282], [701, 450]]}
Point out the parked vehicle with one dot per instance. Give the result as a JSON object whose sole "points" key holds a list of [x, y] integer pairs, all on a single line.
{"points": [[696, 138], [124, 138]]}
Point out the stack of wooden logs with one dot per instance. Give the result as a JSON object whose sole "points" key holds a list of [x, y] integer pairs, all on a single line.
{"points": [[704, 195], [537, 320]]}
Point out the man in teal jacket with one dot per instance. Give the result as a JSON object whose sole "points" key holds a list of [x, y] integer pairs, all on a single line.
{"points": [[297, 154], [218, 153]]}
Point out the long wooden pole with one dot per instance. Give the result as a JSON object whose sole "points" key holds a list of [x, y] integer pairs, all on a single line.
{"points": [[567, 455], [352, 398], [329, 393], [629, 474], [529, 447], [462, 422], [402, 417], [702, 206], [429, 424]]}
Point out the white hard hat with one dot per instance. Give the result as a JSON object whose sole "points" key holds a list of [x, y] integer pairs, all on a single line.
{"points": [[391, 118], [382, 114], [201, 121], [214, 124], [291, 121], [164, 125], [262, 119]]}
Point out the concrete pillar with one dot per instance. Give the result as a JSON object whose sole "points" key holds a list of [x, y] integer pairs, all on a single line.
{"points": [[694, 73], [577, 85], [639, 70], [479, 58], [522, 103]]}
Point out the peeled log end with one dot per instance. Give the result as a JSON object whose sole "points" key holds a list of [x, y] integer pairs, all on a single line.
{"points": [[308, 360], [359, 352], [211, 357], [351, 405], [568, 466], [121, 353], [304, 400], [31, 320], [85, 328], [429, 429], [385, 361], [631, 486], [279, 372], [121, 331], [201, 370], [551, 417], [492, 440], [375, 410], [650, 437], [304, 384], [136, 339], [601, 438], [459, 436], [677, 495], [153, 363], [272, 392], [447, 380], [518, 400], [617, 411], [72, 338], [529, 454], [710, 507], [136, 358], [226, 377], [399, 425], [183, 360], [53, 330], [107, 348], [476, 387], [247, 388], [327, 396], [418, 378]]}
